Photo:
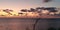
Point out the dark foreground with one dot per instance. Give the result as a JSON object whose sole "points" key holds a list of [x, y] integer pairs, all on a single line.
{"points": [[28, 24]]}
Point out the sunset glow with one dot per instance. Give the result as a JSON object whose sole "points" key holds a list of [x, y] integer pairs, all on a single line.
{"points": [[17, 5], [26, 4]]}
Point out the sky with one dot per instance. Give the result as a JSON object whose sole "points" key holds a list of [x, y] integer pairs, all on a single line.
{"points": [[26, 4]]}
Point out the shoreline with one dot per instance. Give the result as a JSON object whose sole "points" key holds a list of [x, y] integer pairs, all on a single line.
{"points": [[29, 16]]}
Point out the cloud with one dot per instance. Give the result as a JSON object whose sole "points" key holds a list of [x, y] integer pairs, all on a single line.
{"points": [[46, 1]]}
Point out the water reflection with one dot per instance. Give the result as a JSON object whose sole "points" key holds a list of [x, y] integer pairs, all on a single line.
{"points": [[27, 24]]}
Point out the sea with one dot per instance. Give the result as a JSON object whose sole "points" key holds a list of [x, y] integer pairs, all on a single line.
{"points": [[29, 23]]}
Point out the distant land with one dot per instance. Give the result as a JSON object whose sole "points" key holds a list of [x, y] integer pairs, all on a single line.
{"points": [[39, 12], [29, 17]]}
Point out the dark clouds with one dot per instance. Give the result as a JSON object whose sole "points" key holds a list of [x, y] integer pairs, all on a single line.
{"points": [[46, 1]]}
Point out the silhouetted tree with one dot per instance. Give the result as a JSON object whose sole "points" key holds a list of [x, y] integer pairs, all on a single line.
{"points": [[8, 11], [52, 9], [11, 10], [38, 9], [20, 13], [29, 10], [24, 10], [32, 9]]}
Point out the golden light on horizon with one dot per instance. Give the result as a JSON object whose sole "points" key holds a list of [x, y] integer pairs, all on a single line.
{"points": [[51, 13], [45, 11], [32, 14], [15, 13]]}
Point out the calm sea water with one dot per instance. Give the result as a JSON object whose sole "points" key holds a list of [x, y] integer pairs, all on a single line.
{"points": [[28, 24]]}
